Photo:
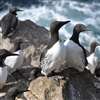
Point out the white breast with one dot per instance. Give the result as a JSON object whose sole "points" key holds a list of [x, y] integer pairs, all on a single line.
{"points": [[3, 76], [14, 62], [53, 58], [93, 62], [0, 29], [74, 56]]}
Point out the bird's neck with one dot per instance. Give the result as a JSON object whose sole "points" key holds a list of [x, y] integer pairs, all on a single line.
{"points": [[1, 62], [91, 50], [75, 37], [14, 13], [53, 40], [16, 47]]}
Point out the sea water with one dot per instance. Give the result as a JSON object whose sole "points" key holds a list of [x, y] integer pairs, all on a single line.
{"points": [[44, 12]]}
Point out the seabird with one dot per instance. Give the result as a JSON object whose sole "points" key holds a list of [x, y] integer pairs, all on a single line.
{"points": [[14, 62], [9, 22], [13, 93], [55, 53], [3, 68], [92, 58], [76, 54]]}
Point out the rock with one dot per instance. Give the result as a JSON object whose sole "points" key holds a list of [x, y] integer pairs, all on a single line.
{"points": [[82, 86], [38, 38], [74, 85], [44, 89]]}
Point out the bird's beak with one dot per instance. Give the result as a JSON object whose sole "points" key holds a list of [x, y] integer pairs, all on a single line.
{"points": [[17, 9], [85, 28], [63, 23], [98, 44], [67, 21]]}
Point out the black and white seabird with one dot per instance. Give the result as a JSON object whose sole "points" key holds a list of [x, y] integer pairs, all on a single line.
{"points": [[54, 54], [14, 62], [56, 51], [76, 54], [3, 68], [92, 58], [13, 92], [9, 22]]}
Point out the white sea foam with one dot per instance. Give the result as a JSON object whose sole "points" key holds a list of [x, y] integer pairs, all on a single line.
{"points": [[88, 14]]}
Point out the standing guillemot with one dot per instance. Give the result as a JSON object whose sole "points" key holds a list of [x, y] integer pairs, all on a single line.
{"points": [[9, 22], [92, 58], [13, 92], [3, 68], [55, 53], [76, 54], [14, 62]]}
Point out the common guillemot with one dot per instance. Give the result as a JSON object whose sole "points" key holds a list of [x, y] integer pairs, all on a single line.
{"points": [[3, 68], [14, 62], [76, 54], [92, 58], [9, 22], [56, 50], [55, 53]]}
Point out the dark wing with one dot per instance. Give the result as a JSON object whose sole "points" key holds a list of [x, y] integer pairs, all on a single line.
{"points": [[6, 24], [84, 55], [45, 62], [14, 23], [43, 54]]}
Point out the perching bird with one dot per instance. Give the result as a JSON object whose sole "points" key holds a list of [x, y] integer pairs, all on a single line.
{"points": [[13, 92], [92, 58], [54, 54], [3, 68], [75, 52], [14, 62], [9, 22]]}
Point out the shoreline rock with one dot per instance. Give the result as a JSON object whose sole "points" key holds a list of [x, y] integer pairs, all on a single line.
{"points": [[75, 86]]}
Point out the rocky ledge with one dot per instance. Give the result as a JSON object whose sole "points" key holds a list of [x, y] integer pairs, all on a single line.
{"points": [[74, 85]]}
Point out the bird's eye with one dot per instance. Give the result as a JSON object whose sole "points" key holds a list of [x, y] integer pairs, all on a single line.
{"points": [[79, 26]]}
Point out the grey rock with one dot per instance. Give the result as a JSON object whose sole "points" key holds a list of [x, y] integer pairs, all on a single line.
{"points": [[74, 86]]}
